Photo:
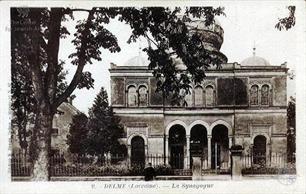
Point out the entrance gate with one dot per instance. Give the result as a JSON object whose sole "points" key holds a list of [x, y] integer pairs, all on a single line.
{"points": [[137, 152], [259, 150], [177, 141]]}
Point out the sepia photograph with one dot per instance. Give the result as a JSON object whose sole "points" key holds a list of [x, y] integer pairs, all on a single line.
{"points": [[155, 97]]}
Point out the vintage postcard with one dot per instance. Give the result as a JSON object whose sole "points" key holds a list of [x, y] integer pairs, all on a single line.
{"points": [[153, 97]]}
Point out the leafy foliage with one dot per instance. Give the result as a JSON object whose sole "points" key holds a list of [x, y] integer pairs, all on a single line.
{"points": [[104, 127], [287, 22], [78, 131], [170, 40], [23, 102], [99, 133]]}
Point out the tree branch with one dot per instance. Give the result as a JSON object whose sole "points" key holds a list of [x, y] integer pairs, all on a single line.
{"points": [[150, 40], [82, 62]]}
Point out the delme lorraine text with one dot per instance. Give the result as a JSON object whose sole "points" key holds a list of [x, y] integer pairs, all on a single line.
{"points": [[155, 186]]}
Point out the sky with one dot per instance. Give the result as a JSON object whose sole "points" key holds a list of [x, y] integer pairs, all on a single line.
{"points": [[244, 27]]}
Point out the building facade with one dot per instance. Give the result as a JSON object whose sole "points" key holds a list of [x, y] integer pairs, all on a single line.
{"points": [[240, 104]]}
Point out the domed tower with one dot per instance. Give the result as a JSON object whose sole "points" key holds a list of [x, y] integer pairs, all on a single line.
{"points": [[212, 36]]}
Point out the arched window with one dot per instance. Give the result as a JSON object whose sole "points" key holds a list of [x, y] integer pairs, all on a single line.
{"points": [[132, 96], [265, 95], [209, 95], [254, 95], [188, 98], [198, 96], [143, 96]]}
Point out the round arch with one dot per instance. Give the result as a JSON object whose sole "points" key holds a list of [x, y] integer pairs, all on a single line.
{"points": [[131, 85], [129, 140], [176, 122], [142, 85], [197, 122], [220, 122], [263, 134], [138, 151]]}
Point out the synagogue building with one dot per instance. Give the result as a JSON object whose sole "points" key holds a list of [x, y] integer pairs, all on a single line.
{"points": [[240, 104]]}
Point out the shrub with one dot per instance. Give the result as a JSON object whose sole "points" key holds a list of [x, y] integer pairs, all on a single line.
{"points": [[268, 170], [164, 170]]}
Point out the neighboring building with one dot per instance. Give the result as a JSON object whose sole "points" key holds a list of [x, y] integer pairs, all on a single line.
{"points": [[61, 125], [60, 130], [242, 104]]}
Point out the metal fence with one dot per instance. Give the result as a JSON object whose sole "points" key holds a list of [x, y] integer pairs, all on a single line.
{"points": [[101, 165], [274, 160], [275, 163], [119, 165]]}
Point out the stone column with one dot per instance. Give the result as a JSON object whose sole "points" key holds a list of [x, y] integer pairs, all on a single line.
{"points": [[236, 154], [268, 158], [146, 154], [129, 155], [209, 152], [188, 152], [167, 149], [230, 142]]}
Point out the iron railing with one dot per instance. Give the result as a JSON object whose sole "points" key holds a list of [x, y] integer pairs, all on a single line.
{"points": [[119, 165]]}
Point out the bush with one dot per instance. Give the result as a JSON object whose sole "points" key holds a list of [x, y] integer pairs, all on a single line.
{"points": [[135, 171], [96, 170], [265, 170], [163, 170]]}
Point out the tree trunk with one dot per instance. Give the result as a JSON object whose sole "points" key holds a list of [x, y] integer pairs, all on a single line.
{"points": [[41, 163]]}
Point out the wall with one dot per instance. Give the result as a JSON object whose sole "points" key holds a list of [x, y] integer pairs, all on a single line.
{"points": [[279, 91]]}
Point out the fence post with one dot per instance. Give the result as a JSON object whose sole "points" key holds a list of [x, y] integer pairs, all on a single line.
{"points": [[196, 168], [236, 164]]}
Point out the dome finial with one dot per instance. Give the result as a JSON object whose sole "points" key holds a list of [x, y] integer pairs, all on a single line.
{"points": [[139, 48], [254, 49]]}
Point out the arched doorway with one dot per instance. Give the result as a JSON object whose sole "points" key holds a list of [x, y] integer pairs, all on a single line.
{"points": [[198, 142], [177, 142], [137, 152], [259, 150], [219, 147]]}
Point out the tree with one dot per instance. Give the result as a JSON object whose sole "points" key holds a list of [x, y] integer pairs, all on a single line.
{"points": [[78, 132], [98, 134], [23, 101], [291, 133], [36, 35], [23, 105], [104, 127]]}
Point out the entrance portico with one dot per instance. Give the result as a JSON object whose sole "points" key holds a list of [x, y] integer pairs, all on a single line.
{"points": [[210, 142]]}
